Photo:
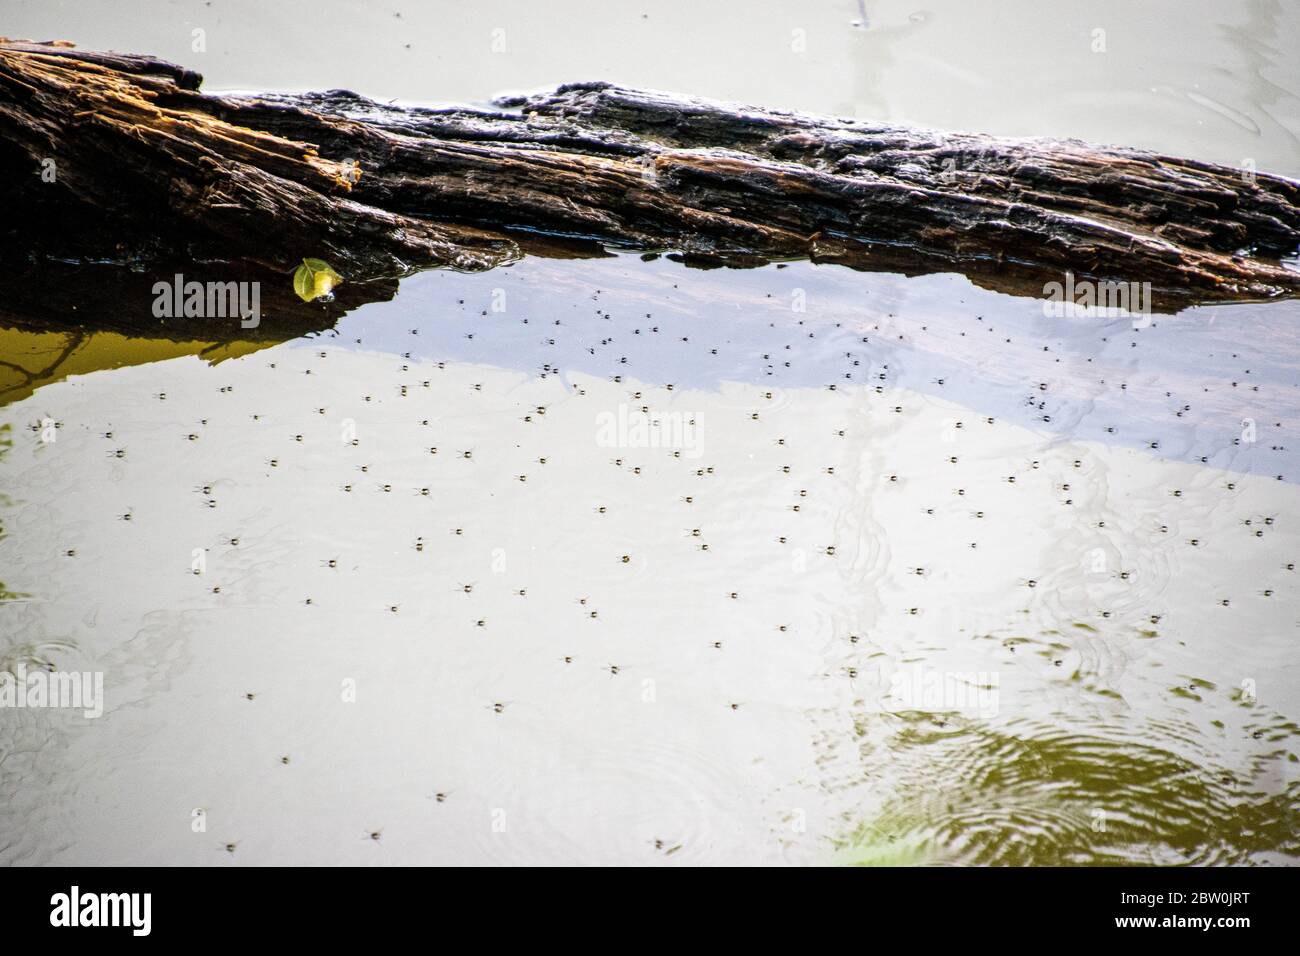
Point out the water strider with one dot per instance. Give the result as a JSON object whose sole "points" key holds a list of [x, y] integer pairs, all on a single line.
{"points": [[1120, 570], [1074, 532]]}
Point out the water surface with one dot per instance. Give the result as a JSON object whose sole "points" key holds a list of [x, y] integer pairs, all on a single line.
{"points": [[614, 561], [430, 568]]}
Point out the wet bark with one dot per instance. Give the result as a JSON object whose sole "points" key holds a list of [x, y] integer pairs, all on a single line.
{"points": [[147, 168]]}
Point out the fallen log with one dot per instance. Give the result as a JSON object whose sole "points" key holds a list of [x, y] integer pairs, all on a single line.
{"points": [[120, 158]]}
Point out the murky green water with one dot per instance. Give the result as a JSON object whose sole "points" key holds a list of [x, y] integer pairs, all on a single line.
{"points": [[916, 574], [614, 561]]}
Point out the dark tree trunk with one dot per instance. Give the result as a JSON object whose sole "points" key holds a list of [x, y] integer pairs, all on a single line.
{"points": [[148, 168]]}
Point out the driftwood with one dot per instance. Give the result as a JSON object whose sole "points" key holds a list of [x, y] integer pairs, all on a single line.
{"points": [[148, 169]]}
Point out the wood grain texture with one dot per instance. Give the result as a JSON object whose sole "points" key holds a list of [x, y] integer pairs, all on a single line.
{"points": [[148, 166]]}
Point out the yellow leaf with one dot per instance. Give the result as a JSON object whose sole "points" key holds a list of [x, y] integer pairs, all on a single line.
{"points": [[314, 279]]}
